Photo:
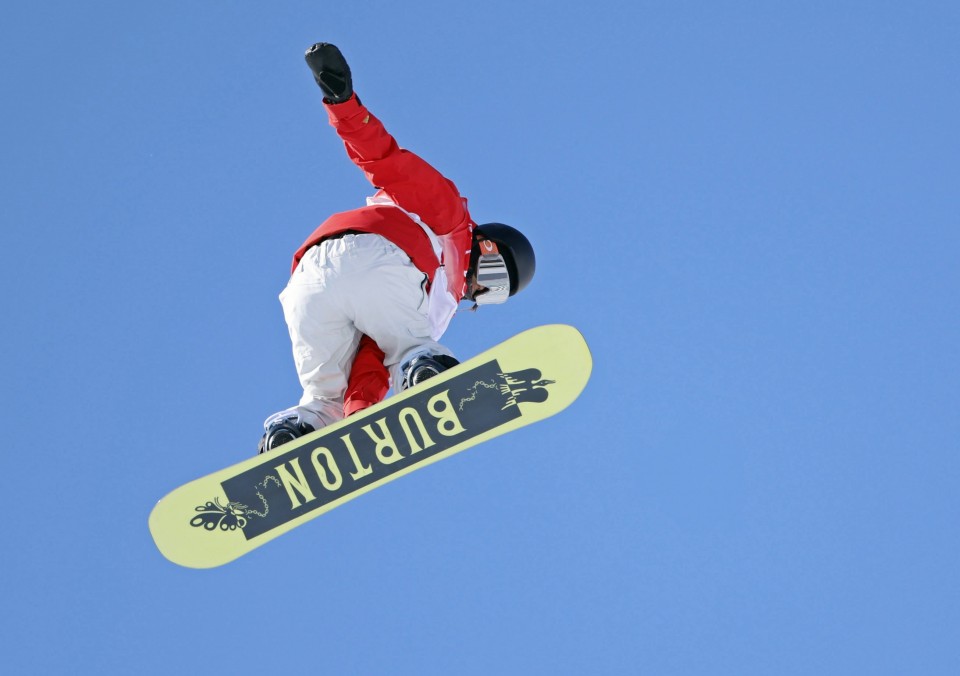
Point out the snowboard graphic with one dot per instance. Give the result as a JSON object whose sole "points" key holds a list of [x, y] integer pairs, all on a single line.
{"points": [[217, 518]]}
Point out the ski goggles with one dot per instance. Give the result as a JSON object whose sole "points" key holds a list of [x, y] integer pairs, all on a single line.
{"points": [[492, 273]]}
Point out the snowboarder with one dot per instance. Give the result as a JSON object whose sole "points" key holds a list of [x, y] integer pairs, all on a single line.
{"points": [[373, 289]]}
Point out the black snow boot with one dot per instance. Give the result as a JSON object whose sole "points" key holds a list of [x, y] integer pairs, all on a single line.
{"points": [[425, 367], [281, 432]]}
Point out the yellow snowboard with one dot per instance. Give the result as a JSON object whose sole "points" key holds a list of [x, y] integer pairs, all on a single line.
{"points": [[224, 515]]}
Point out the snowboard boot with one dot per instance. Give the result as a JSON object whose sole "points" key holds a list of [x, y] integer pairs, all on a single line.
{"points": [[425, 367], [282, 431]]}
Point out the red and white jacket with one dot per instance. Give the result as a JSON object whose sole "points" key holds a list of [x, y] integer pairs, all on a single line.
{"points": [[416, 208]]}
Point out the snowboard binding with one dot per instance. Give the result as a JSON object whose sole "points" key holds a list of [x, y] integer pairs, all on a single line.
{"points": [[282, 431], [424, 367]]}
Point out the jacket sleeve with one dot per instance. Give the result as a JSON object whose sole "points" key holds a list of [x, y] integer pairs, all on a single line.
{"points": [[410, 182], [369, 381]]}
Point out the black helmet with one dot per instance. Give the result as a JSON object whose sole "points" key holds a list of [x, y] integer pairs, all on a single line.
{"points": [[516, 251]]}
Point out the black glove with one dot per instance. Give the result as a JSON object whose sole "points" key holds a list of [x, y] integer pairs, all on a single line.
{"points": [[331, 72]]}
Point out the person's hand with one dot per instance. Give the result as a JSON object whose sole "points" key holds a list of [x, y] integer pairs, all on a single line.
{"points": [[331, 72]]}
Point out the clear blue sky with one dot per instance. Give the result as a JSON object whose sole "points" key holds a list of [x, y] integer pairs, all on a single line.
{"points": [[751, 210]]}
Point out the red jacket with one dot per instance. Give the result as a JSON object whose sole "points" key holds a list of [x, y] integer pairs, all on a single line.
{"points": [[424, 196]]}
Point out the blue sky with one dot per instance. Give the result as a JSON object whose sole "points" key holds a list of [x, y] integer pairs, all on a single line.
{"points": [[749, 209]]}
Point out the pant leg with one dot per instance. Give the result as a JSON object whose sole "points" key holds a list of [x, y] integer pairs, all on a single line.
{"points": [[323, 337], [388, 302]]}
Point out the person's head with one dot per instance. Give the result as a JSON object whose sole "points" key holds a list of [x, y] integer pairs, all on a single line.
{"points": [[501, 264]]}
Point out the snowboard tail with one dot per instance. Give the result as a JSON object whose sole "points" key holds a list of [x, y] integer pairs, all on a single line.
{"points": [[215, 519]]}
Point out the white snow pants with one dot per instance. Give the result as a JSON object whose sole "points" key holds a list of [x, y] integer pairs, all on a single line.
{"points": [[342, 288]]}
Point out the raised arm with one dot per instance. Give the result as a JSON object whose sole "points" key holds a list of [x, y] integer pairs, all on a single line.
{"points": [[407, 179]]}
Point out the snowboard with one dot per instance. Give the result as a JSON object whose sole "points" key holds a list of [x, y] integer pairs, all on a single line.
{"points": [[222, 516]]}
